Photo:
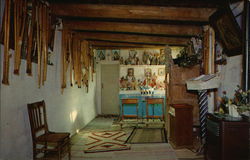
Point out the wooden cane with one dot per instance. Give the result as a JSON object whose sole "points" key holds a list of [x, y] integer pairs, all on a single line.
{"points": [[20, 16], [30, 40], [63, 79], [38, 45], [70, 59], [79, 64], [73, 58], [44, 41], [6, 43], [76, 59]]}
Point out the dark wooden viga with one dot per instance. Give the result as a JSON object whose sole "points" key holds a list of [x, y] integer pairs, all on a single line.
{"points": [[46, 144]]}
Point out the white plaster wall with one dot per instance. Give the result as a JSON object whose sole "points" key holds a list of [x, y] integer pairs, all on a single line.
{"points": [[66, 112], [231, 74], [1, 17]]}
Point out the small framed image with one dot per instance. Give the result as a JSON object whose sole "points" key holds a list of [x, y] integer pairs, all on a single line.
{"points": [[101, 55], [116, 55], [147, 72], [161, 71]]}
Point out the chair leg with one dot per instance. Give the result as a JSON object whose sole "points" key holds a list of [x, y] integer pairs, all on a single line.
{"points": [[59, 153], [34, 151], [69, 150]]}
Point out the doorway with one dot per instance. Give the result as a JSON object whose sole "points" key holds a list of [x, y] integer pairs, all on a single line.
{"points": [[110, 89]]}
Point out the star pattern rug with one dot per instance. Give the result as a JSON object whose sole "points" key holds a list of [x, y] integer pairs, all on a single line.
{"points": [[105, 141]]}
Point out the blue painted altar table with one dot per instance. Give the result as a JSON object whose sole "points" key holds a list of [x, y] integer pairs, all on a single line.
{"points": [[131, 109]]}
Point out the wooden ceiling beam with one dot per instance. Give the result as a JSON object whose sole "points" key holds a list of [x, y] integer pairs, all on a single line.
{"points": [[125, 47], [173, 3], [142, 28], [119, 45], [132, 12], [133, 38]]}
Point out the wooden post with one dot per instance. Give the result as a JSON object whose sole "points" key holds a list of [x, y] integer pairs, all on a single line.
{"points": [[168, 59]]}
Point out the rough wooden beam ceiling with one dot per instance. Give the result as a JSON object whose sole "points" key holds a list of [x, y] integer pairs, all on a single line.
{"points": [[156, 29], [132, 12], [132, 38], [119, 45], [175, 3], [125, 47]]}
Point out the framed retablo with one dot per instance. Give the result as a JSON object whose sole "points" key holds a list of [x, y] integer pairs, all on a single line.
{"points": [[227, 31], [161, 71]]}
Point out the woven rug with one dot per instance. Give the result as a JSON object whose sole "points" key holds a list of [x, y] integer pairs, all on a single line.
{"points": [[104, 141], [147, 135]]}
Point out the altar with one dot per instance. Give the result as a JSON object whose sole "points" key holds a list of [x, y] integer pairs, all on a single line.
{"points": [[130, 110]]}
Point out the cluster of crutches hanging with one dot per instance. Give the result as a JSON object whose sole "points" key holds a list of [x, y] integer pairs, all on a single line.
{"points": [[32, 35], [32, 31], [77, 57]]}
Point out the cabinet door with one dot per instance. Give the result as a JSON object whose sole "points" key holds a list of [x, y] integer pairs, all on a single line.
{"points": [[172, 128]]}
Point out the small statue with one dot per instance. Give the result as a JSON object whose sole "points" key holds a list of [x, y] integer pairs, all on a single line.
{"points": [[133, 84], [108, 56], [101, 55], [162, 57], [145, 57], [116, 56], [121, 60], [123, 83]]}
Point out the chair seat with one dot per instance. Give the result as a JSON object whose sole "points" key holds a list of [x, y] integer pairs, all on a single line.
{"points": [[53, 137]]}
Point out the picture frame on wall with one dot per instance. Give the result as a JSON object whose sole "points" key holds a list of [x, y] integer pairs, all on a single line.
{"points": [[101, 54], [116, 55], [161, 71], [227, 31]]}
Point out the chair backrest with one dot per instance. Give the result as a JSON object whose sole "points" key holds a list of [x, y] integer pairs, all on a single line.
{"points": [[37, 116], [130, 101], [155, 100]]}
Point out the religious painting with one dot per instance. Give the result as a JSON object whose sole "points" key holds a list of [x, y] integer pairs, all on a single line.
{"points": [[116, 55], [147, 72], [161, 71], [227, 31], [101, 54]]}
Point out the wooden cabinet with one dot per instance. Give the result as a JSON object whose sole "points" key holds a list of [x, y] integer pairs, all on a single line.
{"points": [[181, 122], [226, 139], [177, 92]]}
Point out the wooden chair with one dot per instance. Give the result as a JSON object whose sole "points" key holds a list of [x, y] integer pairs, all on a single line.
{"points": [[46, 144], [153, 102], [130, 101]]}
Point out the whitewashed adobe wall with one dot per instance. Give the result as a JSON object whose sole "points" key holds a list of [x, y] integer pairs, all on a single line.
{"points": [[67, 113], [231, 75]]}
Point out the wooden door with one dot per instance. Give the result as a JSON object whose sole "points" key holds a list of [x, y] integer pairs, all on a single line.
{"points": [[110, 89]]}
